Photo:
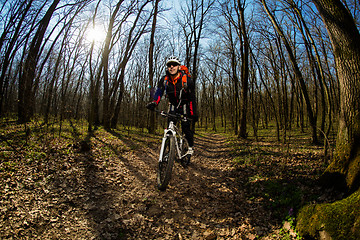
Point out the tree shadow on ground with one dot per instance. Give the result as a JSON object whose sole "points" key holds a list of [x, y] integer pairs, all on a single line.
{"points": [[237, 199], [91, 191], [101, 204], [261, 192], [106, 188]]}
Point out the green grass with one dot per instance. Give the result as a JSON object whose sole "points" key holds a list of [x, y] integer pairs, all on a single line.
{"points": [[281, 174], [8, 167], [273, 169]]}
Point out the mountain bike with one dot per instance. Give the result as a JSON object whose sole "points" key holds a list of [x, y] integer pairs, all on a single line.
{"points": [[174, 146]]}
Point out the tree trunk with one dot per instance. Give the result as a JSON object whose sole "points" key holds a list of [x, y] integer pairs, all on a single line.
{"points": [[345, 40], [6, 58], [299, 77], [151, 126], [340, 219], [115, 117], [326, 101], [105, 60], [26, 94], [235, 80], [244, 72], [133, 38]]}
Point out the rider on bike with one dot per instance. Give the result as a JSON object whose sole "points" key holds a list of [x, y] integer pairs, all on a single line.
{"points": [[180, 90]]}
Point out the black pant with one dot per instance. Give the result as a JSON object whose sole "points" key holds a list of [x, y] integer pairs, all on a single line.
{"points": [[185, 126], [189, 134]]}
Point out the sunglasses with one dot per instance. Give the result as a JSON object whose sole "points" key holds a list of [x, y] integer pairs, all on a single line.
{"points": [[172, 64]]}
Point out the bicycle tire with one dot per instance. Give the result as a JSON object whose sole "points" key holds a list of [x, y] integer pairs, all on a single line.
{"points": [[166, 164], [185, 160]]}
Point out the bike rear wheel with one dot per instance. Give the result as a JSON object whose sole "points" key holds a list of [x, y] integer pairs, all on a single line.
{"points": [[166, 163]]}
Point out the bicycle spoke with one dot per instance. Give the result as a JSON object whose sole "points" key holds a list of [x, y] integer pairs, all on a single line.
{"points": [[166, 163]]}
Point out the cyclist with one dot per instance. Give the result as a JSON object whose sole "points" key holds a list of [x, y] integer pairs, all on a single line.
{"points": [[180, 90]]}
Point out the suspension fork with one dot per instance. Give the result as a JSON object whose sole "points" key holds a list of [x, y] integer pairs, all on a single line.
{"points": [[167, 132], [177, 146]]}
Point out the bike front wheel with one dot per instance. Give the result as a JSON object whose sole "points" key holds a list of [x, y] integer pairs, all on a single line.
{"points": [[166, 163]]}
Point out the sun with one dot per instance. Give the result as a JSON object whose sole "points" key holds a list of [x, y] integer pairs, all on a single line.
{"points": [[96, 34]]}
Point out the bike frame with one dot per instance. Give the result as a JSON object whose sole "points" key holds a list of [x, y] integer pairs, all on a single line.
{"points": [[172, 130], [171, 134]]}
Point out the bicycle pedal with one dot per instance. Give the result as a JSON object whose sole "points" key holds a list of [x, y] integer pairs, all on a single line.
{"points": [[185, 161]]}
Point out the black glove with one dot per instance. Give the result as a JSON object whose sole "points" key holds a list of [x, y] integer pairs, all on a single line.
{"points": [[151, 106]]}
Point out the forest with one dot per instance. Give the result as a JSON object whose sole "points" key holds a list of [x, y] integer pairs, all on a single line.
{"points": [[277, 153]]}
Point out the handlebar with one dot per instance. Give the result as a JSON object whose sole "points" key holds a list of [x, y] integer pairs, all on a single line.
{"points": [[177, 116]]}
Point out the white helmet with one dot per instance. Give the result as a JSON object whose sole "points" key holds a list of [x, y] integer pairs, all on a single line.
{"points": [[173, 59]]}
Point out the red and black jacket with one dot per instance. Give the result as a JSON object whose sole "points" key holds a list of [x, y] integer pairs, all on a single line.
{"points": [[173, 89]]}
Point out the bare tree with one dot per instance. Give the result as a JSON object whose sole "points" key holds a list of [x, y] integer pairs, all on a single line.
{"points": [[316, 66], [26, 94], [105, 65], [20, 13], [344, 169], [298, 74], [151, 126], [194, 14], [345, 37], [138, 28], [93, 104]]}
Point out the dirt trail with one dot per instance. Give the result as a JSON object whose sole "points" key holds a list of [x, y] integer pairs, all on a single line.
{"points": [[110, 193], [204, 201]]}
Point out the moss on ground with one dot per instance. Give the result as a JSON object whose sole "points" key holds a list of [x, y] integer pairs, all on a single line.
{"points": [[340, 220]]}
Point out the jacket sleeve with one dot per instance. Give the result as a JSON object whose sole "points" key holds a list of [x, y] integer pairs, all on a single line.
{"points": [[159, 90], [192, 97]]}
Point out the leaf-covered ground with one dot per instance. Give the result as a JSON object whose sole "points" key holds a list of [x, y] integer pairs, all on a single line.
{"points": [[56, 186]]}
